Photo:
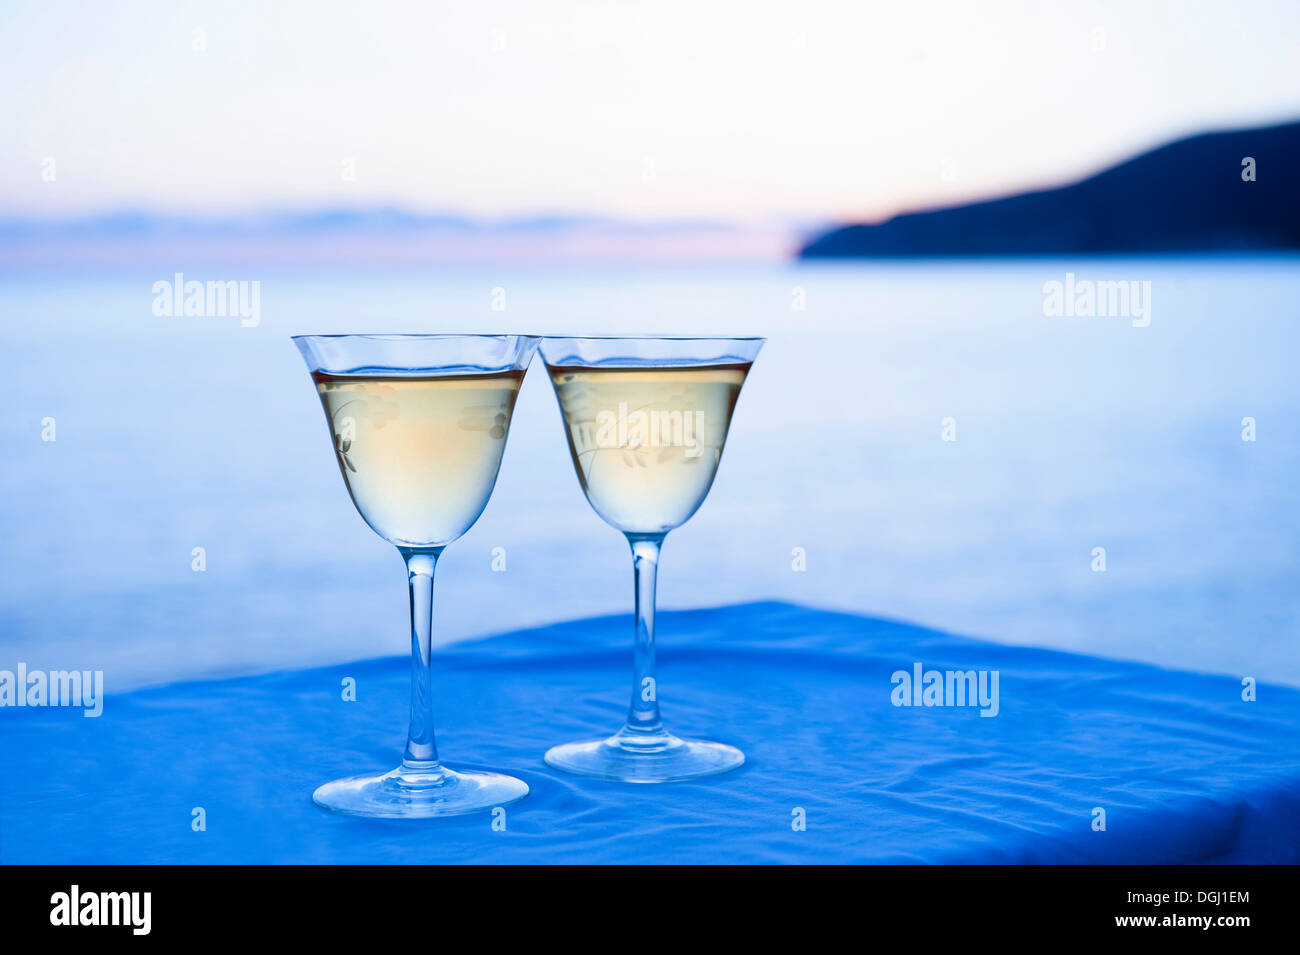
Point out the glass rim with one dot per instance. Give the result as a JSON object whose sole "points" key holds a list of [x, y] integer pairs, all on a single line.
{"points": [[393, 336], [389, 336], [652, 338], [619, 351], [412, 355]]}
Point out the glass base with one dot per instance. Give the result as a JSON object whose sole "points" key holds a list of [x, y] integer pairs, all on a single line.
{"points": [[633, 757], [419, 792]]}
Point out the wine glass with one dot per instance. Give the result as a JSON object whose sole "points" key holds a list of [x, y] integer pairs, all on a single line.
{"points": [[419, 424], [646, 420]]}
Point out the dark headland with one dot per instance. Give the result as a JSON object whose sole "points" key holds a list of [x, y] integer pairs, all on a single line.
{"points": [[1187, 196]]}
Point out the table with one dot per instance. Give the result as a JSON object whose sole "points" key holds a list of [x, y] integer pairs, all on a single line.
{"points": [[1185, 770]]}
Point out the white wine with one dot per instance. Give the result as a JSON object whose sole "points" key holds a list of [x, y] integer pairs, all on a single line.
{"points": [[419, 455], [419, 424], [646, 441], [646, 420]]}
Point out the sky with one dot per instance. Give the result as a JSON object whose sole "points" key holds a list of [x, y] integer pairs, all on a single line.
{"points": [[743, 112]]}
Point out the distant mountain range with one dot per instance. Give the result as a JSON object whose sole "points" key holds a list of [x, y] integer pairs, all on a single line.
{"points": [[349, 220], [1193, 195], [378, 236], [1188, 196]]}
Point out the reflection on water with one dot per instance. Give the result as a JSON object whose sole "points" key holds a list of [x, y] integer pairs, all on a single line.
{"points": [[1069, 434]]}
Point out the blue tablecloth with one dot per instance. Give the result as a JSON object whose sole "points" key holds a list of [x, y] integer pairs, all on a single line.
{"points": [[1185, 770]]}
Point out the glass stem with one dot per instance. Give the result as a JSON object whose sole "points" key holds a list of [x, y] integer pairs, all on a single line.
{"points": [[643, 722], [421, 751]]}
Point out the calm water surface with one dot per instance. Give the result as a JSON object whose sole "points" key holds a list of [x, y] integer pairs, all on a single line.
{"points": [[1070, 434]]}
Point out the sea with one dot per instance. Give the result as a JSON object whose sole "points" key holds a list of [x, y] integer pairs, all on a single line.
{"points": [[925, 441]]}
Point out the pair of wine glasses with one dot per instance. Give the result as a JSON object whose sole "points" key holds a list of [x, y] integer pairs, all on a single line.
{"points": [[419, 425]]}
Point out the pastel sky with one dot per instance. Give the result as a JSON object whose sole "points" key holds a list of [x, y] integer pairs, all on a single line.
{"points": [[754, 111]]}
